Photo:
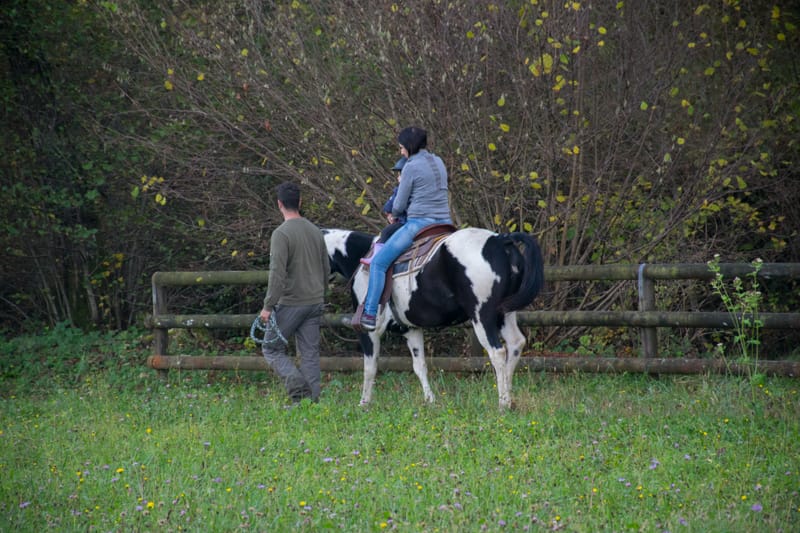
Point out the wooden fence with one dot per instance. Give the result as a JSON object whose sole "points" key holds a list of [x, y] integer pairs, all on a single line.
{"points": [[647, 318]]}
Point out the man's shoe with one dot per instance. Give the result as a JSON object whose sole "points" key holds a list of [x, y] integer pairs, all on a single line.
{"points": [[368, 322]]}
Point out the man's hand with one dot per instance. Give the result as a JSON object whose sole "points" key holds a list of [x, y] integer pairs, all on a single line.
{"points": [[264, 316]]}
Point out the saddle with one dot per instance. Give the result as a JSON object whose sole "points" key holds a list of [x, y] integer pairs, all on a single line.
{"points": [[425, 243]]}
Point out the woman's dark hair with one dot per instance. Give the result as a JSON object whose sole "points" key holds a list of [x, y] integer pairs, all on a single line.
{"points": [[413, 139], [289, 195]]}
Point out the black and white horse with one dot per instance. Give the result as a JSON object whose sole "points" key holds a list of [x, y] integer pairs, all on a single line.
{"points": [[475, 275]]}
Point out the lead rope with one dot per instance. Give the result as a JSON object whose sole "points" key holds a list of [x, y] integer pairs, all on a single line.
{"points": [[270, 329]]}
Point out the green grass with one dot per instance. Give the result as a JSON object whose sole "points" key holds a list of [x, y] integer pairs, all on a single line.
{"points": [[209, 451]]}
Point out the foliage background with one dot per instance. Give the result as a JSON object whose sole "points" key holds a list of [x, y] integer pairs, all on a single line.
{"points": [[148, 135]]}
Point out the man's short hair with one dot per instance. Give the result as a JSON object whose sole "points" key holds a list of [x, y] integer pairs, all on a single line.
{"points": [[289, 195]]}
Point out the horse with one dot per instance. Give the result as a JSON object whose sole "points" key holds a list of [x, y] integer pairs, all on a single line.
{"points": [[473, 274]]}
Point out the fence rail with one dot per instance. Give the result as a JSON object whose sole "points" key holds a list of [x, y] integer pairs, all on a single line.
{"points": [[647, 318]]}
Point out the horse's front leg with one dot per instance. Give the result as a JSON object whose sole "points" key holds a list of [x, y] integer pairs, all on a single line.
{"points": [[416, 345], [371, 344]]}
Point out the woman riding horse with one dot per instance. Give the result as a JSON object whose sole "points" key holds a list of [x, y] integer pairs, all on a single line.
{"points": [[422, 194]]}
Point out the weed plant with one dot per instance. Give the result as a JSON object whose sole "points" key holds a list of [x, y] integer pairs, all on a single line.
{"points": [[743, 303], [118, 449]]}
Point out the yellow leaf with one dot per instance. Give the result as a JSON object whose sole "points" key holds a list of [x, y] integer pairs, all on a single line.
{"points": [[201, 76], [244, 52], [643, 106], [234, 253], [547, 63], [527, 226], [541, 204], [505, 127], [492, 147], [561, 198], [224, 241], [465, 167], [602, 30], [502, 101], [168, 85], [681, 141], [201, 222], [497, 220]]}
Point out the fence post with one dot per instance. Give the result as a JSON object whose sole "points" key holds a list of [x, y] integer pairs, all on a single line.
{"points": [[647, 302], [160, 335]]}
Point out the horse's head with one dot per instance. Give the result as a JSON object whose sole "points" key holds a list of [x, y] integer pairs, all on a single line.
{"points": [[345, 248]]}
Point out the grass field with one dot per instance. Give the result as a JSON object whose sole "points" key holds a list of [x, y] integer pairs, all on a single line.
{"points": [[118, 449]]}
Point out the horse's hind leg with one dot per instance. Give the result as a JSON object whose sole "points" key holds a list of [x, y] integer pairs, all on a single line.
{"points": [[416, 345], [499, 358], [515, 341]]}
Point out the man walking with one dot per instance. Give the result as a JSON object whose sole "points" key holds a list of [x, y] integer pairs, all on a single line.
{"points": [[298, 276]]}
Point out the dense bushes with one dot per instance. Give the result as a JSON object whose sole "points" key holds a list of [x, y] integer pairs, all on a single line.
{"points": [[615, 132]]}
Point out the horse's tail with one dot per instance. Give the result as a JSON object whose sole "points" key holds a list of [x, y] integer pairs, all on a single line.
{"points": [[532, 271]]}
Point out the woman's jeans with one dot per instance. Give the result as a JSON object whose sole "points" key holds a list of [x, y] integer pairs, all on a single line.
{"points": [[398, 243]]}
